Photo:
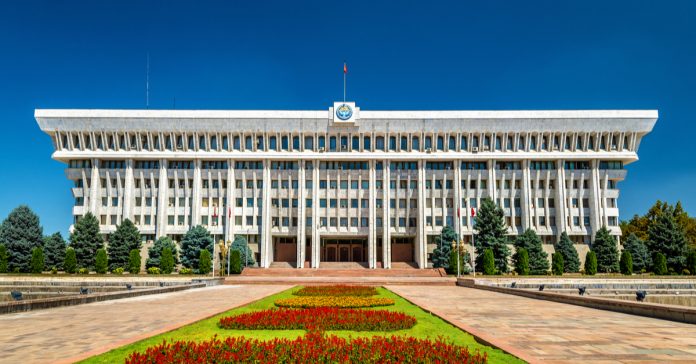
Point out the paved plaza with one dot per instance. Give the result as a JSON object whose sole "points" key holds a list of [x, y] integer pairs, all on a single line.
{"points": [[62, 334], [549, 332]]}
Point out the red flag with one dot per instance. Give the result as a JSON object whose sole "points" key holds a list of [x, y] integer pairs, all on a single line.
{"points": [[345, 68], [473, 212]]}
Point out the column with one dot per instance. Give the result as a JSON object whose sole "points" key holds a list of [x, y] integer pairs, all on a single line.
{"points": [[316, 244], [162, 200], [372, 229], [561, 218], [595, 218], [421, 238], [386, 241], [128, 191], [196, 195], [266, 245], [526, 191], [94, 188], [301, 213], [229, 206], [457, 183]]}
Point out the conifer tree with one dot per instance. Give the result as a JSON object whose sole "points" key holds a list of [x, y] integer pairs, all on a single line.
{"points": [[86, 240], [626, 263], [37, 260], [240, 244], [193, 242], [20, 233], [488, 263], [591, 263], [691, 262], [121, 242], [659, 264], [154, 253], [557, 264], [521, 259], [571, 260], [3, 259], [204, 263], [167, 261], [70, 263], [538, 259], [491, 234], [443, 247], [639, 253], [607, 251], [54, 250], [667, 238], [101, 261], [134, 261]]}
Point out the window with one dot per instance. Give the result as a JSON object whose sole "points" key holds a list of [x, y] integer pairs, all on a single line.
{"points": [[404, 144], [415, 145], [309, 143], [356, 143], [284, 142], [296, 143], [366, 143]]}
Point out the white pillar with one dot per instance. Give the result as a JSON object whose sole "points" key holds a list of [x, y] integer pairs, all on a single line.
{"points": [[421, 237], [316, 244], [386, 241], [128, 192], [372, 229], [196, 195], [266, 245], [161, 229], [301, 213]]}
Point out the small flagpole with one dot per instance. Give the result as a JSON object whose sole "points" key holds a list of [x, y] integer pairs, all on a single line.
{"points": [[344, 81]]}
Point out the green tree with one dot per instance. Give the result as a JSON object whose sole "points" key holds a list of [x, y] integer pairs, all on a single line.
{"points": [[639, 253], [54, 248], [538, 259], [443, 247], [37, 260], [204, 263], [70, 263], [640, 225], [154, 253], [463, 260], [557, 265], [667, 238], [488, 262], [86, 240], [101, 262], [591, 263], [121, 242], [167, 261], [134, 261], [659, 264], [491, 234], [626, 263], [193, 242], [687, 224], [240, 244], [691, 262], [607, 251], [21, 232], [571, 260], [521, 259], [235, 262], [3, 259]]}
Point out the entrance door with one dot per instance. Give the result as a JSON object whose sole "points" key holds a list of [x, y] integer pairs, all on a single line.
{"points": [[284, 249], [402, 249], [343, 250]]}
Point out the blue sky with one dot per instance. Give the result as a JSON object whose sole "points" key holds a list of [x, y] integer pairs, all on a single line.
{"points": [[469, 55]]}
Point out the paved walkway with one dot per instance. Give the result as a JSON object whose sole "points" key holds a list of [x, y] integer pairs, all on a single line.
{"points": [[62, 334], [549, 332]]}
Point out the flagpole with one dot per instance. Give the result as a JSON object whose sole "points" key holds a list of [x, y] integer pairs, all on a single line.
{"points": [[344, 81]]}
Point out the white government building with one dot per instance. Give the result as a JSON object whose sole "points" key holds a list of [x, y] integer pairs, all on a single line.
{"points": [[344, 184]]}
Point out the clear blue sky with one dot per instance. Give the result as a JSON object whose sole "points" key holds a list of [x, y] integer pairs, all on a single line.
{"points": [[405, 55]]}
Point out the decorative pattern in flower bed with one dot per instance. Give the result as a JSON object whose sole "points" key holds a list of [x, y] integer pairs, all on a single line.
{"points": [[340, 302], [339, 290], [325, 318], [311, 348]]}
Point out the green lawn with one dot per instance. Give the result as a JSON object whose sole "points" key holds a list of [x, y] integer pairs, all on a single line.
{"points": [[428, 326]]}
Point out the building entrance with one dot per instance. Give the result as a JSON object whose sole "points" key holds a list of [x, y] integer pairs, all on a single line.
{"points": [[343, 250], [402, 249], [284, 249]]}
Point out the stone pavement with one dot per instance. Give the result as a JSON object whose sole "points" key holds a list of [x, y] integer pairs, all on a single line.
{"points": [[547, 332], [68, 333]]}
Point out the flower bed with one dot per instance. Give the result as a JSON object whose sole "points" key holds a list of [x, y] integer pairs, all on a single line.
{"points": [[324, 318], [340, 302], [340, 290], [311, 348]]}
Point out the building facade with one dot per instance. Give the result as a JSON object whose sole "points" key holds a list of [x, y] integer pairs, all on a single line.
{"points": [[344, 184]]}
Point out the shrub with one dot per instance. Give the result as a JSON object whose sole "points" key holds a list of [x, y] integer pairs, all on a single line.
{"points": [[240, 244], [235, 261], [571, 261], [660, 264], [54, 270], [101, 262], [167, 261], [686, 272], [185, 271], [134, 261], [521, 259], [691, 261], [3, 259], [37, 260], [328, 301], [313, 347], [70, 263], [154, 254], [121, 242], [557, 264], [118, 271], [319, 318], [204, 264], [83, 271], [195, 240], [538, 259], [591, 263], [488, 262], [153, 270], [339, 290], [626, 263]]}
